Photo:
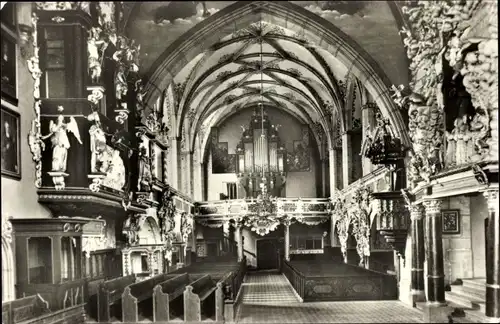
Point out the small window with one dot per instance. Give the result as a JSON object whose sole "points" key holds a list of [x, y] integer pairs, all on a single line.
{"points": [[40, 260], [55, 65]]}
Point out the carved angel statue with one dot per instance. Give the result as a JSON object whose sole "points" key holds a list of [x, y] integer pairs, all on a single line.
{"points": [[94, 46], [60, 140]]}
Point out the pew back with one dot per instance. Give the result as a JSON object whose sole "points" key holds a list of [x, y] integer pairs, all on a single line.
{"points": [[167, 292], [140, 291], [24, 309], [109, 293]]}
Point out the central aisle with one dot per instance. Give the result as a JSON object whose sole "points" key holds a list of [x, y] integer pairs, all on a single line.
{"points": [[267, 287], [267, 297]]}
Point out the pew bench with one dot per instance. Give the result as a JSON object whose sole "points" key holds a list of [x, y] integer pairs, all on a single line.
{"points": [[24, 309], [109, 294], [166, 293], [195, 296], [138, 292]]}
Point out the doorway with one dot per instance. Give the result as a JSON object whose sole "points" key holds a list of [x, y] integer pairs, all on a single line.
{"points": [[267, 253]]}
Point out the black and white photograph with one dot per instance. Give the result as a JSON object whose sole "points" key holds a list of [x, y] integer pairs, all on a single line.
{"points": [[250, 162], [11, 153]]}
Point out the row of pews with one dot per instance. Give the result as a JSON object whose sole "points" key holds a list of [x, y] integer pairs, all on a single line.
{"points": [[35, 310], [200, 292], [191, 296]]}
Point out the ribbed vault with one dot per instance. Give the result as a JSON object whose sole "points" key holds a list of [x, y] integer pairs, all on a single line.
{"points": [[276, 53]]}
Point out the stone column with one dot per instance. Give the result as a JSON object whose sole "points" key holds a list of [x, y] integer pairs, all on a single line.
{"points": [[239, 241], [367, 114], [333, 171], [346, 159], [493, 256], [435, 264], [323, 176], [417, 253], [174, 163], [287, 240], [435, 310]]}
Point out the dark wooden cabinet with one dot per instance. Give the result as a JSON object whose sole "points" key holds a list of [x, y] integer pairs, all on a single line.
{"points": [[49, 260]]}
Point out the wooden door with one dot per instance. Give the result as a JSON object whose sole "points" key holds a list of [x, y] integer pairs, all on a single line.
{"points": [[267, 254]]}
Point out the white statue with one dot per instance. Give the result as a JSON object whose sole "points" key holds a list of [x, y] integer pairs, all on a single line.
{"points": [[94, 44], [60, 140]]}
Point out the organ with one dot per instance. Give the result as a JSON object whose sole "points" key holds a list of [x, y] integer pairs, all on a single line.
{"points": [[261, 157]]}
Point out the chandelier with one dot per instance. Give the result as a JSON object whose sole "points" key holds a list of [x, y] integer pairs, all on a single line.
{"points": [[261, 217]]}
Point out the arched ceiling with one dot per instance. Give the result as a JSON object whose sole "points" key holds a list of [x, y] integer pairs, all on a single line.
{"points": [[261, 63], [258, 58]]}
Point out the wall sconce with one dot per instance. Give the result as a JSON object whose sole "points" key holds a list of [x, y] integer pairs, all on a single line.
{"points": [[24, 24]]}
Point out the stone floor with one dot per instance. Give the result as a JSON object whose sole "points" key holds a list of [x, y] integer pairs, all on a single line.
{"points": [[269, 298]]}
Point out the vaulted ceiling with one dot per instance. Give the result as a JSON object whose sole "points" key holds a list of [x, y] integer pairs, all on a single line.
{"points": [[261, 63], [269, 55]]}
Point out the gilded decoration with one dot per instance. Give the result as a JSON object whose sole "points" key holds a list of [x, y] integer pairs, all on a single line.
{"points": [[7, 229], [463, 35], [166, 218], [35, 140], [360, 210], [340, 212]]}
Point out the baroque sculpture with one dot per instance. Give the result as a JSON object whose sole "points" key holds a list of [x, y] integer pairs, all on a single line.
{"points": [[60, 141]]}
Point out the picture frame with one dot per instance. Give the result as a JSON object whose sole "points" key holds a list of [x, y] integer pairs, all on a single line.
{"points": [[451, 221], [8, 55], [8, 15], [10, 143]]}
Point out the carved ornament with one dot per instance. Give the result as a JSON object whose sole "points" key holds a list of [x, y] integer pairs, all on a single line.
{"points": [[432, 207], [7, 229], [35, 140]]}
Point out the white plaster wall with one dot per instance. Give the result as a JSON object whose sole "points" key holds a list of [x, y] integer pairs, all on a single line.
{"points": [[457, 248], [19, 197], [478, 213]]}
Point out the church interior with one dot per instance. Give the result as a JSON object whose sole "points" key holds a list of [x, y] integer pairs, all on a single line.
{"points": [[250, 162]]}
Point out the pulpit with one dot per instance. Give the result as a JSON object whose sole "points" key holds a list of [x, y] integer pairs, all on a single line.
{"points": [[49, 260]]}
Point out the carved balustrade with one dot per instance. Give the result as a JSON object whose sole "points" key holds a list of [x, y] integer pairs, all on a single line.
{"points": [[392, 218], [311, 211]]}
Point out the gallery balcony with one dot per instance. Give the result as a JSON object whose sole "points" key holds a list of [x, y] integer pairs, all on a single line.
{"points": [[305, 210]]}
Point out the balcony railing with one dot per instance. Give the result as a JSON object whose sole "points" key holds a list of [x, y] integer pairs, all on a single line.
{"points": [[284, 207]]}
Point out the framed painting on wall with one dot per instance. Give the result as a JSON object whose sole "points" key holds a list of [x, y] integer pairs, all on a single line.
{"points": [[451, 221], [9, 68], [10, 141]]}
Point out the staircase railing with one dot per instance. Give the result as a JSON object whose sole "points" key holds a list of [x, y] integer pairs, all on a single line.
{"points": [[234, 247], [295, 277]]}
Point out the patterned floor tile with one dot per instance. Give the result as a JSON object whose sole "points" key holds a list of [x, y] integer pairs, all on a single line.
{"points": [[269, 298]]}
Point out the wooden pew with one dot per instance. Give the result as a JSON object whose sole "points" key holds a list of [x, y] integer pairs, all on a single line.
{"points": [[137, 292], [24, 309], [195, 295], [221, 295], [110, 293], [167, 292]]}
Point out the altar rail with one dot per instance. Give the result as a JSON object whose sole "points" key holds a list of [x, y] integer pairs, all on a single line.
{"points": [[330, 281], [284, 206]]}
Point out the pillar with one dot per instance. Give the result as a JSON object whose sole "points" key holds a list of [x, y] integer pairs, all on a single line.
{"points": [[287, 240], [333, 171], [174, 164], [435, 310], [323, 177], [435, 264], [346, 159], [417, 253], [493, 256], [368, 124], [239, 241]]}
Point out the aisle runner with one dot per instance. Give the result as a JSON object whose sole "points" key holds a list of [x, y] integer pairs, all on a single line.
{"points": [[267, 288]]}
